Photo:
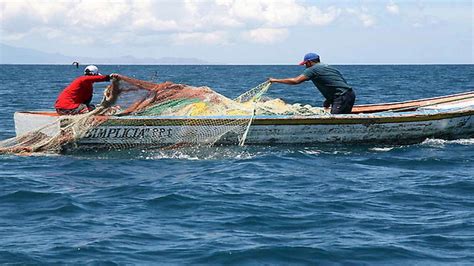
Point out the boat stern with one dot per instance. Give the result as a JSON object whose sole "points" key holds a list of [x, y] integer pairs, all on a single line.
{"points": [[46, 122]]}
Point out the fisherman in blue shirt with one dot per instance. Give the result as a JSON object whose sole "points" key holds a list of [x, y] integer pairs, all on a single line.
{"points": [[329, 81]]}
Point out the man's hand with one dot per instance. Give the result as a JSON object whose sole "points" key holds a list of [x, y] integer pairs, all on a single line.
{"points": [[115, 76]]}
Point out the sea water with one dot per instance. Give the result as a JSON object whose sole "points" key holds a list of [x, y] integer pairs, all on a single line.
{"points": [[313, 204]]}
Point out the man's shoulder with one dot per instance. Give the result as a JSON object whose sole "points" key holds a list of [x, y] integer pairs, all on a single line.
{"points": [[309, 72], [315, 68], [92, 78], [81, 78], [321, 66], [318, 66]]}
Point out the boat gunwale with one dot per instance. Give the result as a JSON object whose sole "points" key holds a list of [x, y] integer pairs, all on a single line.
{"points": [[309, 120], [286, 120], [418, 100], [353, 118], [380, 107]]}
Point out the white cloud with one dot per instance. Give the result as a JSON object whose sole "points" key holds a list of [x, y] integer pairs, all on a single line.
{"points": [[246, 9], [393, 8], [320, 18], [152, 24], [367, 20], [363, 16], [426, 21], [83, 40], [283, 13], [92, 14], [207, 16], [20, 17], [212, 38], [13, 36], [144, 27], [208, 22], [266, 35], [52, 33], [191, 6]]}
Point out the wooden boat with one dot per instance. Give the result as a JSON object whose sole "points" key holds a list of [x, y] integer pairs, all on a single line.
{"points": [[447, 117]]}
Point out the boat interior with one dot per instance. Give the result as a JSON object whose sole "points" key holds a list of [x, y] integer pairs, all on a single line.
{"points": [[408, 106]]}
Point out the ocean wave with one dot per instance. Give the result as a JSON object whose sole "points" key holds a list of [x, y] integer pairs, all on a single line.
{"points": [[17, 258], [29, 196], [442, 142], [318, 255], [187, 154], [201, 153], [62, 209], [269, 255], [382, 149], [172, 201], [311, 152], [457, 187]]}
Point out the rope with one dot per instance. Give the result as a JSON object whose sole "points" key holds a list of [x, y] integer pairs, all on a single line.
{"points": [[257, 94]]}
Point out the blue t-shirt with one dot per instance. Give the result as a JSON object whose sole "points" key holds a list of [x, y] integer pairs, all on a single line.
{"points": [[328, 80]]}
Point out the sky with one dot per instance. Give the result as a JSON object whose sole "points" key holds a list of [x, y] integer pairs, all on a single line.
{"points": [[246, 31]]}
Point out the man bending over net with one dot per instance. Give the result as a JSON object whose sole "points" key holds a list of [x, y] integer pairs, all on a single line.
{"points": [[76, 98]]}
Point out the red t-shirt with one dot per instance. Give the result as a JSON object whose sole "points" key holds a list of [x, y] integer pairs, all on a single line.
{"points": [[78, 92]]}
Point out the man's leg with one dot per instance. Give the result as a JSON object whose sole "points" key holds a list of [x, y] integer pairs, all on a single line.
{"points": [[336, 105], [81, 109], [349, 100], [344, 103]]}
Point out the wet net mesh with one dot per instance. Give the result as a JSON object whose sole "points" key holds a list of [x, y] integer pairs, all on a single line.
{"points": [[130, 109]]}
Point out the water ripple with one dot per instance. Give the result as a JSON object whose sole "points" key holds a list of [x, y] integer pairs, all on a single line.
{"points": [[326, 204]]}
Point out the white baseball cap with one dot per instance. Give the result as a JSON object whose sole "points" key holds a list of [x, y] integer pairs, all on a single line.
{"points": [[91, 70]]}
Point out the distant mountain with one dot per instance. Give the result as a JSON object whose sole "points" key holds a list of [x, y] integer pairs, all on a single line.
{"points": [[17, 55]]}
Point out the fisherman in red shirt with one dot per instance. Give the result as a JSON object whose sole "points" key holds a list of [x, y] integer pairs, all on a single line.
{"points": [[76, 98]]}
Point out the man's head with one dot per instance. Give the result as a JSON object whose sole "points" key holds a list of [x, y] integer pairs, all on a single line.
{"points": [[91, 70], [310, 59]]}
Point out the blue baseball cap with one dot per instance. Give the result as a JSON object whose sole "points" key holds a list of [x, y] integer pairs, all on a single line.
{"points": [[309, 57]]}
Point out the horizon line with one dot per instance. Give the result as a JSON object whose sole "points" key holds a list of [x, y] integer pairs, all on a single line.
{"points": [[339, 64]]}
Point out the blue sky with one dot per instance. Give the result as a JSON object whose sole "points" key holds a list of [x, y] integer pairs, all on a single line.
{"points": [[247, 31]]}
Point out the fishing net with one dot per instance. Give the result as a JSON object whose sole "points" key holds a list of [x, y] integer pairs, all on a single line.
{"points": [[166, 115]]}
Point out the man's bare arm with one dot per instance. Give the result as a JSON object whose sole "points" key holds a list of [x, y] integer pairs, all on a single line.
{"points": [[290, 81]]}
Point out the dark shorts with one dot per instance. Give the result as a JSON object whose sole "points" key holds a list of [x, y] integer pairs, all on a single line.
{"points": [[81, 109], [343, 104]]}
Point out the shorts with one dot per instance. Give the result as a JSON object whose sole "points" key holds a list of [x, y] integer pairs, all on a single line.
{"points": [[343, 104], [81, 109]]}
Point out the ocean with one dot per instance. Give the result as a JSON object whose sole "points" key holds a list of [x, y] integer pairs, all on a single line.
{"points": [[272, 205]]}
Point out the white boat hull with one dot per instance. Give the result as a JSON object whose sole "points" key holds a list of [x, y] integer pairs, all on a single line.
{"points": [[136, 131]]}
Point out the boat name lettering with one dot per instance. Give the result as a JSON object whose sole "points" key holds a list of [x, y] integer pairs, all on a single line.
{"points": [[128, 132]]}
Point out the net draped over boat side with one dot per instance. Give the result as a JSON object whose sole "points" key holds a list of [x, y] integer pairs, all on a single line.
{"points": [[205, 115], [172, 99], [201, 117]]}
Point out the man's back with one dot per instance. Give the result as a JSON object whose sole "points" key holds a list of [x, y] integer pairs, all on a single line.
{"points": [[78, 92], [327, 79]]}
